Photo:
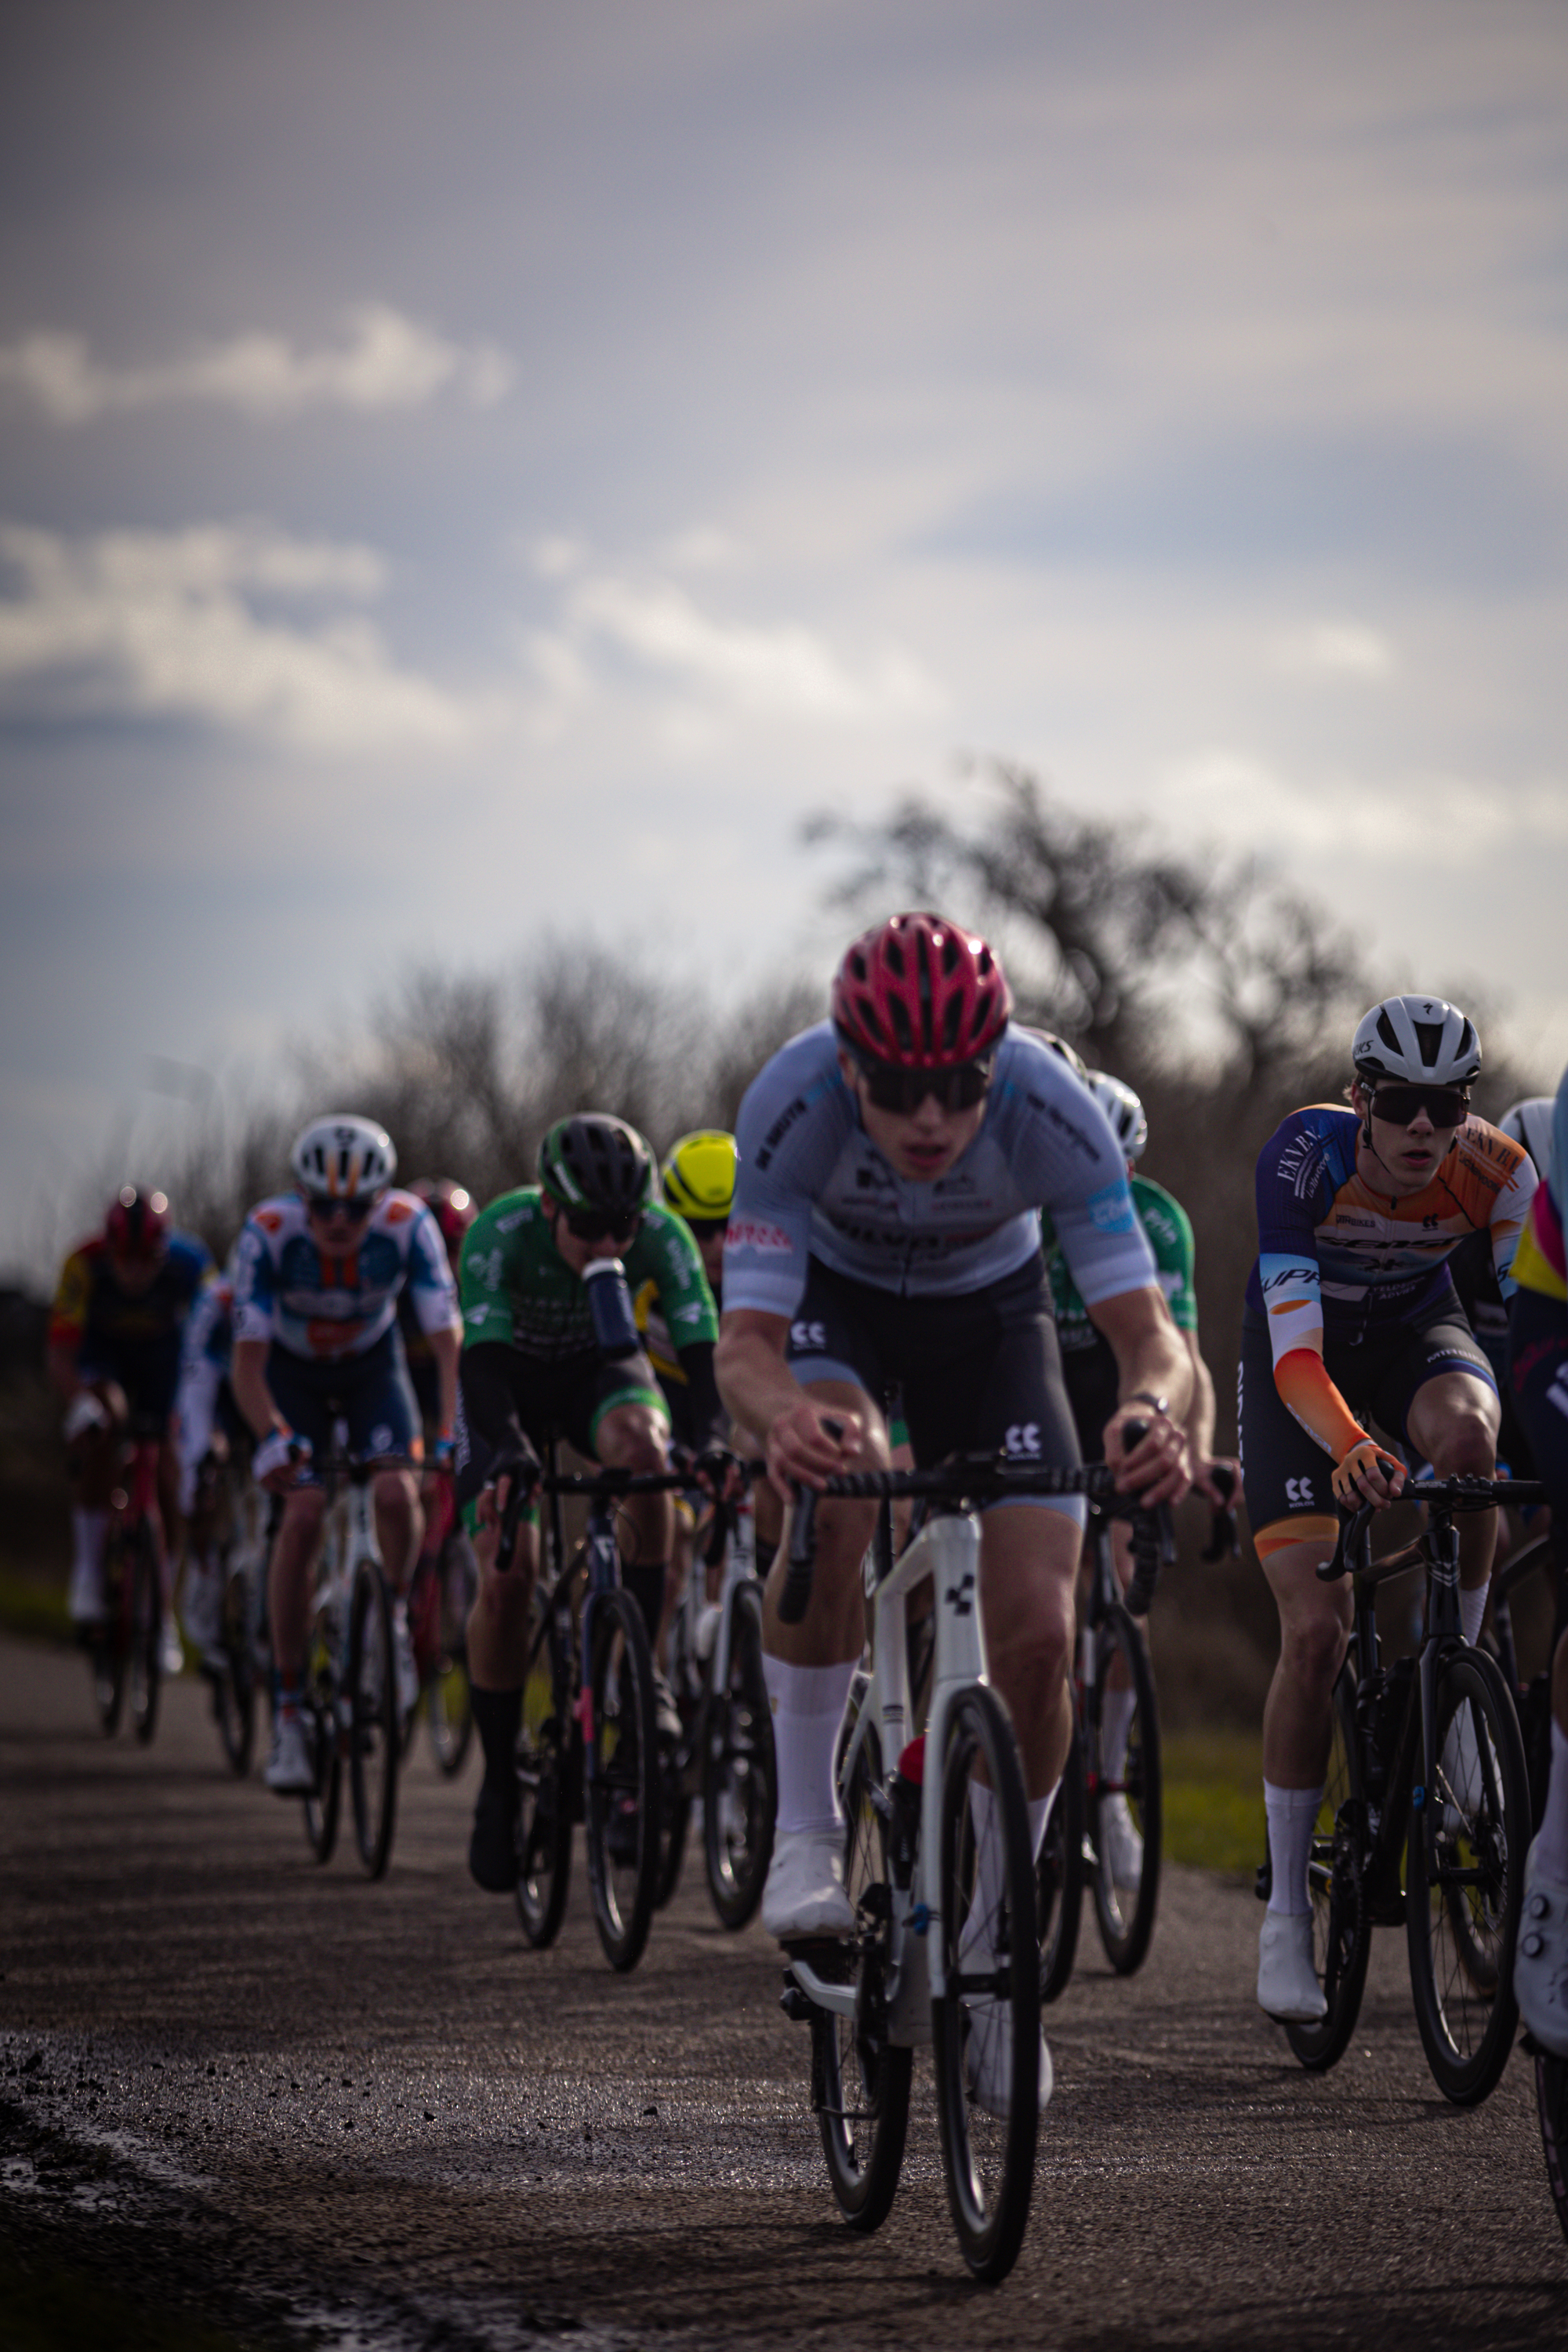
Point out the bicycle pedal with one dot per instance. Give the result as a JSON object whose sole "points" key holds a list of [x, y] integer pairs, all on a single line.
{"points": [[828, 1955], [796, 2005]]}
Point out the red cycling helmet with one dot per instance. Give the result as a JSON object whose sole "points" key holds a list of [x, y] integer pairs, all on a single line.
{"points": [[918, 993], [137, 1225], [452, 1208]]}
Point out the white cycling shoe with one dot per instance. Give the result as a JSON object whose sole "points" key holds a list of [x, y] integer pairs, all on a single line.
{"points": [[291, 1768], [1288, 1987], [988, 2058], [804, 1893], [171, 1652], [403, 1651], [201, 1614], [86, 1597], [1540, 1960], [1121, 1848]]}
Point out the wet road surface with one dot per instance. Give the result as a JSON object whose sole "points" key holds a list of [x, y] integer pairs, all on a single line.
{"points": [[311, 2109]]}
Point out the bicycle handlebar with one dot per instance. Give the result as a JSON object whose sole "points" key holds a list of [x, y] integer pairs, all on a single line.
{"points": [[1223, 1542], [1444, 1496]]}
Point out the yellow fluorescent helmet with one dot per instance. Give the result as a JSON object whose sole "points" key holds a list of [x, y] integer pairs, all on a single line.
{"points": [[699, 1175]]}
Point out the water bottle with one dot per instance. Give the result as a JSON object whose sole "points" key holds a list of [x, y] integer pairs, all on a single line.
{"points": [[610, 1305], [906, 1782]]}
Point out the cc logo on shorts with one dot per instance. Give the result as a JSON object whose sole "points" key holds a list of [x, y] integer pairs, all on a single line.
{"points": [[808, 1339], [1024, 1437], [1299, 1494], [380, 1439]]}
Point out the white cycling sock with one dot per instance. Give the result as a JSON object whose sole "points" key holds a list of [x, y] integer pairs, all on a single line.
{"points": [[1115, 1723], [1472, 1609], [807, 1703], [1292, 1814], [87, 1530], [1551, 1841]]}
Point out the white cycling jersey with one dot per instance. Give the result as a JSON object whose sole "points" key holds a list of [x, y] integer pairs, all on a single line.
{"points": [[811, 1183]]}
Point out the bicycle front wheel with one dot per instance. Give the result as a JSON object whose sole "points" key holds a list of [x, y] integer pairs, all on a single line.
{"points": [[620, 1767], [738, 1772], [860, 2081], [374, 1732], [1552, 2106], [1059, 1877], [108, 1649], [1462, 1896], [543, 1781], [448, 1703], [323, 1806], [146, 1632], [1124, 1794], [1342, 1922], [986, 2025], [234, 1689]]}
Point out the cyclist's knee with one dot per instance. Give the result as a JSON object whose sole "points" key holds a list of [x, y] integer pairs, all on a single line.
{"points": [[1311, 1651], [634, 1438], [1468, 1446]]}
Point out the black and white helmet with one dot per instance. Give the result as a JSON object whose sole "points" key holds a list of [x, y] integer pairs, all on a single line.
{"points": [[1530, 1123], [1417, 1038], [1124, 1110], [343, 1156]]}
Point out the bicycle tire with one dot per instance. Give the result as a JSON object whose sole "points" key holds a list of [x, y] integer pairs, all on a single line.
{"points": [[620, 1779], [1341, 1921], [851, 2058], [674, 1821], [448, 1702], [544, 1761], [1552, 2108], [146, 1631], [108, 1649], [1126, 1914], [1059, 1876], [234, 1689], [376, 1732], [739, 1772], [323, 1806], [988, 2162], [1462, 1929]]}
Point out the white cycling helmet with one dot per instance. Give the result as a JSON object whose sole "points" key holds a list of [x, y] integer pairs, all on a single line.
{"points": [[1124, 1110], [1530, 1123], [344, 1156], [1070, 1053], [1417, 1038]]}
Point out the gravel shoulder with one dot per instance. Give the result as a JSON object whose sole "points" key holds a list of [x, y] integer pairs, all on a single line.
{"points": [[277, 2104]]}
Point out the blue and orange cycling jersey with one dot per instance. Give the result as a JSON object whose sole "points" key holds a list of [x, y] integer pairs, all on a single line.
{"points": [[1339, 1261], [325, 1308], [102, 1326]]}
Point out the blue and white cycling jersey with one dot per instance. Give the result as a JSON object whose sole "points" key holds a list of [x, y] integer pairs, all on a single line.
{"points": [[811, 1183], [323, 1308], [207, 1345]]}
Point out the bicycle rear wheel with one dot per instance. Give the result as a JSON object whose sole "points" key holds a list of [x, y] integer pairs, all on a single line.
{"points": [[1124, 1795], [860, 2082], [1059, 1877], [1461, 1905], [1552, 2106], [986, 2025], [448, 1702], [146, 1631], [1341, 1923], [738, 1772], [109, 1650], [234, 1689], [375, 1733], [544, 1757], [620, 1778]]}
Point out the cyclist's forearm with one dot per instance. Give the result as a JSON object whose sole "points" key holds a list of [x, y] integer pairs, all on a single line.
{"points": [[1151, 1359], [754, 1379], [708, 1422], [489, 1407], [247, 1379], [1201, 1412], [447, 1347]]}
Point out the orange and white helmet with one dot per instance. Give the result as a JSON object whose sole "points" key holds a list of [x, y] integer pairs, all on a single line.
{"points": [[343, 1158]]}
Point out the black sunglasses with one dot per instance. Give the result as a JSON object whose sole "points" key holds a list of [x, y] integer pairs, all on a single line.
{"points": [[332, 1205], [904, 1090], [1444, 1106], [597, 1224]]}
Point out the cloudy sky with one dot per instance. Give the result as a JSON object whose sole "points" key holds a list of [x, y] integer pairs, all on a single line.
{"points": [[473, 474]]}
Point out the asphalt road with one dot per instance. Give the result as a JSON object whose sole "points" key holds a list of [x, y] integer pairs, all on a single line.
{"points": [[304, 2108]]}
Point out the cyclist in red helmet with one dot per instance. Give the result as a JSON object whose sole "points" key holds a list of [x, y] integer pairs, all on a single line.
{"points": [[893, 1164], [115, 1330]]}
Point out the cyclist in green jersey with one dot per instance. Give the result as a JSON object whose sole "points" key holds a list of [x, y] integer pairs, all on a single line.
{"points": [[531, 1361]]}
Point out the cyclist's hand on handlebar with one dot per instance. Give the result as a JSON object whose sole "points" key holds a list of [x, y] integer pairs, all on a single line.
{"points": [[275, 1463], [1158, 1468], [1221, 1490], [719, 1474], [1367, 1474], [813, 1443]]}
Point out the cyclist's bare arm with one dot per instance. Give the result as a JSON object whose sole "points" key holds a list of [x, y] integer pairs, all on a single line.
{"points": [[247, 1379], [447, 1347], [1200, 1427], [761, 1392], [1150, 1361]]}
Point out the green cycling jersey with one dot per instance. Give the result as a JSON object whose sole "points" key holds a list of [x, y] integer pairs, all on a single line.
{"points": [[1170, 1236], [516, 1287]]}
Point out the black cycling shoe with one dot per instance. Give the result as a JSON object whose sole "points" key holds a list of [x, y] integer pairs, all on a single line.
{"points": [[492, 1848]]}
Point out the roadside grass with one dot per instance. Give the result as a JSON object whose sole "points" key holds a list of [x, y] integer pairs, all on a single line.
{"points": [[1214, 1799], [31, 1606]]}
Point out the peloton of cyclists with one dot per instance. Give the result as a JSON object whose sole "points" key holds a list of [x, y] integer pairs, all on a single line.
{"points": [[1350, 1303], [115, 1333], [530, 1362], [317, 1276], [892, 1163]]}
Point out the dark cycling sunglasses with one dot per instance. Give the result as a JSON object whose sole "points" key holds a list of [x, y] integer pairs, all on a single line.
{"points": [[1444, 1106], [905, 1090], [597, 1224], [330, 1205]]}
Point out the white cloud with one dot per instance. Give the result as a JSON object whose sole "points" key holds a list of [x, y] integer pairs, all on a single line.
{"points": [[149, 625], [1335, 649], [386, 361], [1231, 794]]}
